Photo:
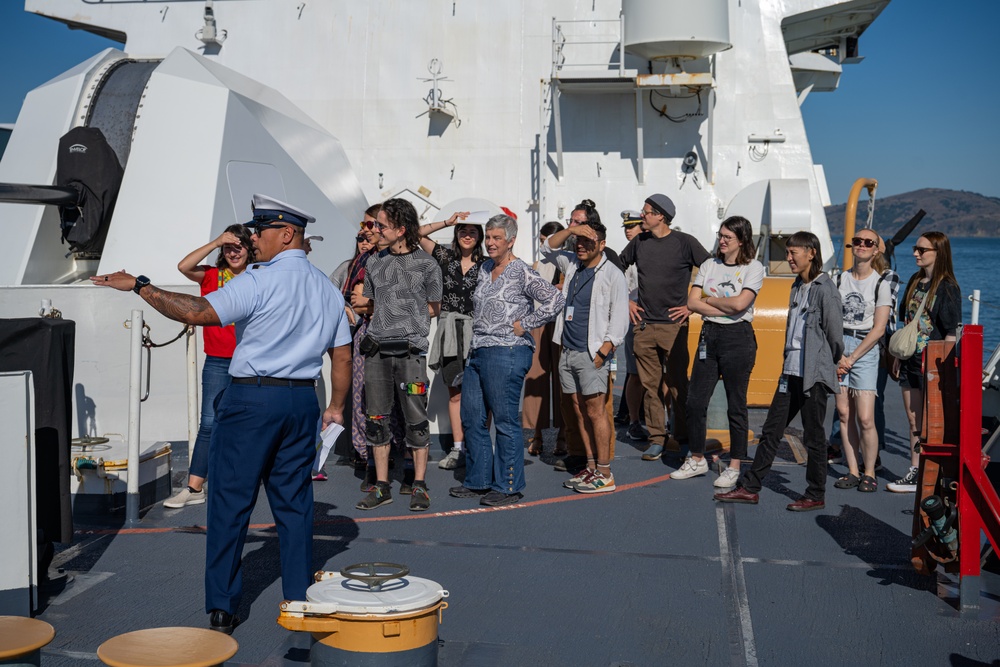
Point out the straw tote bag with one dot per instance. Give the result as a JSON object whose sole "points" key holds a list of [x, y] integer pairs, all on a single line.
{"points": [[903, 343]]}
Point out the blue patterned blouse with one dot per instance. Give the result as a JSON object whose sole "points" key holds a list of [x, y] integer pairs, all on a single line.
{"points": [[511, 297]]}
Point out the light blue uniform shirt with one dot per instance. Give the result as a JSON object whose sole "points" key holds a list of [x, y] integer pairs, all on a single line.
{"points": [[287, 315]]}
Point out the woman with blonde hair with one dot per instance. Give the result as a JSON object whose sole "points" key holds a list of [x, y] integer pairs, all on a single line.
{"points": [[867, 300]]}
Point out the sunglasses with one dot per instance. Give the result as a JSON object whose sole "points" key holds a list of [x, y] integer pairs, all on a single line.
{"points": [[726, 237], [859, 241], [258, 227], [367, 224], [921, 250]]}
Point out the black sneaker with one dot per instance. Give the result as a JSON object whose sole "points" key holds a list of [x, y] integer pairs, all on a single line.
{"points": [[406, 488], [907, 484], [420, 500], [466, 492], [378, 496], [222, 621], [497, 499]]}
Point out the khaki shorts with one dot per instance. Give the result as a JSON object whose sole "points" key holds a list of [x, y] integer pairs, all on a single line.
{"points": [[577, 374]]}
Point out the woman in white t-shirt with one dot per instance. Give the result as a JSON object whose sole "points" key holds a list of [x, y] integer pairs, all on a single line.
{"points": [[867, 301], [723, 294]]}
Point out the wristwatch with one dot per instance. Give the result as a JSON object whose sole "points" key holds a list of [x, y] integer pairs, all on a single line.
{"points": [[140, 282]]}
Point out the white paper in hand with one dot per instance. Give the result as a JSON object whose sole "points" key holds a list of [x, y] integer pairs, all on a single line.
{"points": [[328, 437]]}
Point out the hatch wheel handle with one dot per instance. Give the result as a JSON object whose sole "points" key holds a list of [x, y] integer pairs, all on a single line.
{"points": [[370, 575]]}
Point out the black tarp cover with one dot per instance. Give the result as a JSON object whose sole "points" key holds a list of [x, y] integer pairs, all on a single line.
{"points": [[87, 163]]}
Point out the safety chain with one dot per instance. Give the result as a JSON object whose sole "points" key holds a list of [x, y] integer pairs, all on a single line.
{"points": [[148, 343]]}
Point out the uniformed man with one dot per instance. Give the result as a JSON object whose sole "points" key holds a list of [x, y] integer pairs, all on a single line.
{"points": [[287, 314]]}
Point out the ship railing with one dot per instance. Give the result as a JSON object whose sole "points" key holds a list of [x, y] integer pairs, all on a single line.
{"points": [[563, 39]]}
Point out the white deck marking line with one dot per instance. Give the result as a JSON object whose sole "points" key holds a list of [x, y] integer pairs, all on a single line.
{"points": [[734, 583], [75, 655]]}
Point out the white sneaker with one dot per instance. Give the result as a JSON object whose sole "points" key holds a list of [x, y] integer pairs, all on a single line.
{"points": [[727, 479], [454, 459], [185, 497], [692, 467]]}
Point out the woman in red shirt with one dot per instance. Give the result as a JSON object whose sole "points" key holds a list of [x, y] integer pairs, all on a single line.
{"points": [[235, 254]]}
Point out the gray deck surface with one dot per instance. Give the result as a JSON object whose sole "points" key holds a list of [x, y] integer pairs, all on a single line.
{"points": [[656, 573]]}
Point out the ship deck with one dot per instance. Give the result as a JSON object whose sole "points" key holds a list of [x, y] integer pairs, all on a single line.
{"points": [[655, 573]]}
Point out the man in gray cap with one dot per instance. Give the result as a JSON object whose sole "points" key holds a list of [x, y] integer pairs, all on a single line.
{"points": [[288, 315], [663, 258]]}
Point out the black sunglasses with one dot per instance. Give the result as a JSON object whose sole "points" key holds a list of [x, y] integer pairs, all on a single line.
{"points": [[920, 251], [258, 227], [861, 241]]}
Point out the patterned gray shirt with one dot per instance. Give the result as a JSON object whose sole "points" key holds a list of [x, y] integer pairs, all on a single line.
{"points": [[511, 297], [402, 286]]}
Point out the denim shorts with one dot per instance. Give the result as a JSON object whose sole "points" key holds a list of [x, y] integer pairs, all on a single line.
{"points": [[577, 374], [863, 375]]}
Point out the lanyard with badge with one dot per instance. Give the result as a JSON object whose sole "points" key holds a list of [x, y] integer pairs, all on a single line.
{"points": [[575, 288]]}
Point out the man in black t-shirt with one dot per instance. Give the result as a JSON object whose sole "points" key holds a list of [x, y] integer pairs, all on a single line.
{"points": [[664, 259]]}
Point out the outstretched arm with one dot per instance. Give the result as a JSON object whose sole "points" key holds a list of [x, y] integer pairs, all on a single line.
{"points": [[180, 307]]}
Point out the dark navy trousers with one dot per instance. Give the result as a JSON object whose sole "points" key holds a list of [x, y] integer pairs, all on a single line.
{"points": [[269, 435]]}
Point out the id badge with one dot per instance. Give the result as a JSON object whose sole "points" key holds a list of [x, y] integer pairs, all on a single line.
{"points": [[702, 349], [569, 313], [783, 385]]}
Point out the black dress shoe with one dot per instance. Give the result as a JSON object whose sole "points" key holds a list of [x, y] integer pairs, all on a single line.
{"points": [[223, 621]]}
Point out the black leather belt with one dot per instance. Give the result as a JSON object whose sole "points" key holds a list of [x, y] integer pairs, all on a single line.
{"points": [[857, 333], [265, 381]]}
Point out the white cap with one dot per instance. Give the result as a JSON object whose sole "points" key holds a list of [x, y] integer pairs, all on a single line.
{"points": [[267, 209]]}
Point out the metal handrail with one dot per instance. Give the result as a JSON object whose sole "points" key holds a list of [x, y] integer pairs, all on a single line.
{"points": [[560, 42]]}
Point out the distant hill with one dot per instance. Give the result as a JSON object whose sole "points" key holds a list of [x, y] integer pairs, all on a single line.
{"points": [[954, 212]]}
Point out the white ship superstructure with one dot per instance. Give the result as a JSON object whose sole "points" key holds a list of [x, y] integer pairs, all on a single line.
{"points": [[333, 104]]}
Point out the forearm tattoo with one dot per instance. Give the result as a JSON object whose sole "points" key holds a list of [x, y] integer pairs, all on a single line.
{"points": [[181, 307]]}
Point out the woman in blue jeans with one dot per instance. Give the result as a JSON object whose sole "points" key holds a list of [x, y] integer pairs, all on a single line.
{"points": [[235, 254], [500, 356]]}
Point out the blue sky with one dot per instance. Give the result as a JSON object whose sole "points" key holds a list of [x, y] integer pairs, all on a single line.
{"points": [[920, 111]]}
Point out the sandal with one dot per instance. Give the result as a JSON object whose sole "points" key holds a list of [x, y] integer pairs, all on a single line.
{"points": [[848, 481], [868, 484], [534, 446]]}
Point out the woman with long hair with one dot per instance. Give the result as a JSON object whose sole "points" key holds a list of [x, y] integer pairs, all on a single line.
{"points": [[867, 300], [935, 286], [814, 344], [723, 294], [235, 254], [459, 262]]}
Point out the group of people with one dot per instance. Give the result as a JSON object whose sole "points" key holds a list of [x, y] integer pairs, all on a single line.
{"points": [[558, 324]]}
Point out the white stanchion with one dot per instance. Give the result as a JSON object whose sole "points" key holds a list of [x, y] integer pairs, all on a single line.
{"points": [[134, 409], [975, 306], [193, 405]]}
